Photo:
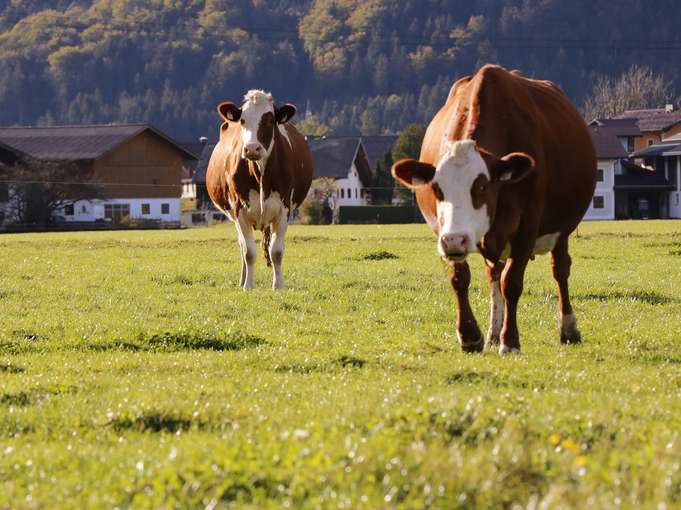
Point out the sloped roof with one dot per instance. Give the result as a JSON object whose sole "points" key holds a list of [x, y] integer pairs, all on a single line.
{"points": [[606, 142], [77, 143], [376, 146], [655, 119], [333, 156], [618, 127]]}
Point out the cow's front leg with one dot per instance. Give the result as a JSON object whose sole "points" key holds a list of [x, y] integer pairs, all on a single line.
{"points": [[496, 313], [279, 227], [560, 264], [249, 251], [467, 328], [512, 288]]}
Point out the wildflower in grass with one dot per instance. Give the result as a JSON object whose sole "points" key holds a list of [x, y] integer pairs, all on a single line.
{"points": [[569, 445], [554, 439], [581, 460]]}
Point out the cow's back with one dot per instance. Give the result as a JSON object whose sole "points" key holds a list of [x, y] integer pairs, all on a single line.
{"points": [[506, 112]]}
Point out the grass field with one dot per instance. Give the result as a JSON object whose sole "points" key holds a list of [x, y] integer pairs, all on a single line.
{"points": [[134, 373]]}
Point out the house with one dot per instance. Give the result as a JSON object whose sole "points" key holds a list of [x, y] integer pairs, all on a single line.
{"points": [[665, 160], [343, 159], [656, 125], [624, 189], [189, 167], [138, 167]]}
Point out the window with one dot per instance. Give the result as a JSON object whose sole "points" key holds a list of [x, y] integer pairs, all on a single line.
{"points": [[599, 175], [342, 193], [361, 193], [116, 212], [599, 202], [146, 208], [198, 218], [349, 193], [165, 208], [676, 198], [650, 142], [630, 144], [68, 210], [355, 192], [83, 209]]}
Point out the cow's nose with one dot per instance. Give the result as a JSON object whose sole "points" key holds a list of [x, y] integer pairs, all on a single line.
{"points": [[252, 151], [455, 245]]}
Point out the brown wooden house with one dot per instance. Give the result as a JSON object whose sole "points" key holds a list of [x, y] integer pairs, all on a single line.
{"points": [[138, 167]]}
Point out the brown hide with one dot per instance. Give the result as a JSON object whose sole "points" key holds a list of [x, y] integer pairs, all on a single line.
{"points": [[230, 178], [505, 113]]}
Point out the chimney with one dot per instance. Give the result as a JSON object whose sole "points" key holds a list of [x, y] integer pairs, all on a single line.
{"points": [[669, 108]]}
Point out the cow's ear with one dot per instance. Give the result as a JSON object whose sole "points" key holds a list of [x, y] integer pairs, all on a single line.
{"points": [[284, 113], [412, 173], [229, 111], [514, 167]]}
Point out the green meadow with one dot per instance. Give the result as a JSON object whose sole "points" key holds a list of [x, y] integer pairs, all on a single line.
{"points": [[134, 373]]}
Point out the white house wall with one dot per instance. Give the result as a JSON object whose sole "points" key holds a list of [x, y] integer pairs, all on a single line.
{"points": [[86, 210], [675, 196], [352, 184], [605, 189]]}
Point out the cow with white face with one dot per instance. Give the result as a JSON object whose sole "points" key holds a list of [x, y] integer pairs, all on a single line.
{"points": [[260, 170], [507, 208]]}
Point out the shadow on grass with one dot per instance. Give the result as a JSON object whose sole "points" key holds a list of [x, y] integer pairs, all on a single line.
{"points": [[24, 334], [183, 279], [301, 368], [177, 342], [151, 422], [644, 296], [11, 369], [379, 255]]}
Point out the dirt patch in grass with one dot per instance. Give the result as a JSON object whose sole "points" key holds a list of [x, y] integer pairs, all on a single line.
{"points": [[379, 255], [176, 342], [151, 422], [350, 361], [6, 368], [644, 296]]}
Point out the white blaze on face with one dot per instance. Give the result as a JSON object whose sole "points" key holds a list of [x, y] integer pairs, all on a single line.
{"points": [[257, 103], [458, 167]]}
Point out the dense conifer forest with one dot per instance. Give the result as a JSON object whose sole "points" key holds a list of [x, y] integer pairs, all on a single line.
{"points": [[360, 66]]}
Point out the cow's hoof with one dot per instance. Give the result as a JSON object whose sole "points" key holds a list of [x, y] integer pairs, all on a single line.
{"points": [[571, 337], [505, 349], [471, 345]]}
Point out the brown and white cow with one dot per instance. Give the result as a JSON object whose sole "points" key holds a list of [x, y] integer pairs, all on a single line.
{"points": [[507, 169], [260, 170]]}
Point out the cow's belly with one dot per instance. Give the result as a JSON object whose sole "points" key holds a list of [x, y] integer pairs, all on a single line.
{"points": [[542, 245], [260, 214]]}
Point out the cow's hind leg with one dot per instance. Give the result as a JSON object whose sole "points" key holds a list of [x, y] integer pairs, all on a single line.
{"points": [[467, 328], [560, 264], [496, 319], [276, 248], [249, 251]]}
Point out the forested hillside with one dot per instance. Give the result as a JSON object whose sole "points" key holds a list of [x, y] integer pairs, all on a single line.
{"points": [[369, 66]]}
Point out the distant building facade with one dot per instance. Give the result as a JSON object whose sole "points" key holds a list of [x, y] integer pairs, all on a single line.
{"points": [[138, 167]]}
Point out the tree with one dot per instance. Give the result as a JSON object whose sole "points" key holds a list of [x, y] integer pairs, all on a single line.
{"points": [[319, 202], [383, 182], [637, 88], [407, 146], [38, 189], [312, 126]]}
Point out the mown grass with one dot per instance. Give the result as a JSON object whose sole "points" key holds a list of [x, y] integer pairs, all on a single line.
{"points": [[134, 373]]}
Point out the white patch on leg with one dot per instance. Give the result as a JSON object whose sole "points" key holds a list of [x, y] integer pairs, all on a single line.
{"points": [[279, 228], [545, 243], [249, 251], [496, 320]]}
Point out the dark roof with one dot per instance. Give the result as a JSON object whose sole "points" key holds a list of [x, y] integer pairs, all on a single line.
{"points": [[669, 147], [8, 155], [333, 156], [606, 142], [77, 142], [618, 127], [656, 119], [202, 165], [376, 146], [641, 178]]}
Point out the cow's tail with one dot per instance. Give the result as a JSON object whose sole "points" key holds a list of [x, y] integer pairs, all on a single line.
{"points": [[266, 234]]}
